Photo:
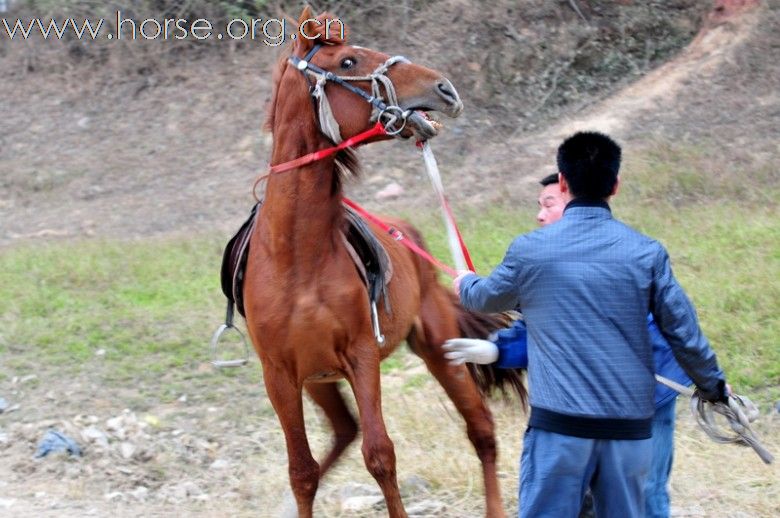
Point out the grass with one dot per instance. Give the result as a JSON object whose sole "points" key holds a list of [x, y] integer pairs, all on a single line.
{"points": [[151, 305], [148, 306]]}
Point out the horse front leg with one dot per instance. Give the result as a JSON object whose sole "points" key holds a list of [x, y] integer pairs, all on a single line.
{"points": [[286, 398], [378, 451]]}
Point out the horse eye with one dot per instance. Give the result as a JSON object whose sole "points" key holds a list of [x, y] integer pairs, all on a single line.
{"points": [[348, 63]]}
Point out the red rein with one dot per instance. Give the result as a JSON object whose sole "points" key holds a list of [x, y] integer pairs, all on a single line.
{"points": [[376, 130]]}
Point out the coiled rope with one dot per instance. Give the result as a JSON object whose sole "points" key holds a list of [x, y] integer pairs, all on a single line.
{"points": [[739, 412]]}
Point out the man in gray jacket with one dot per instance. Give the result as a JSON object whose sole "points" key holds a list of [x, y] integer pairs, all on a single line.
{"points": [[585, 286]]}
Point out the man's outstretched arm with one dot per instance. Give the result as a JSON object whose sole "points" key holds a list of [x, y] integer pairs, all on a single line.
{"points": [[496, 292]]}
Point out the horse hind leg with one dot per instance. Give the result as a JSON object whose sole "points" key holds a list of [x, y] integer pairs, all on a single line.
{"points": [[439, 323], [328, 397], [304, 471], [378, 450]]}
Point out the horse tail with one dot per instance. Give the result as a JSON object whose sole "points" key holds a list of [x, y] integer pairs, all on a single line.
{"points": [[489, 378]]}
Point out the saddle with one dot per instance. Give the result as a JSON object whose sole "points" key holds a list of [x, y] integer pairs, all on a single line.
{"points": [[367, 253]]}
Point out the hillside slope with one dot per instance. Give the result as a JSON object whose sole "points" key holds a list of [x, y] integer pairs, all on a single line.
{"points": [[97, 150]]}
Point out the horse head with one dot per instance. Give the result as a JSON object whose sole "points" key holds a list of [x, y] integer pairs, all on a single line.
{"points": [[359, 86]]}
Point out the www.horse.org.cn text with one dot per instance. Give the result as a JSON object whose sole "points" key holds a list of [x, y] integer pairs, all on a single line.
{"points": [[271, 32]]}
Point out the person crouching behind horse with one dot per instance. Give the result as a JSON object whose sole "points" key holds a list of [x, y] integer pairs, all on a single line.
{"points": [[585, 286]]}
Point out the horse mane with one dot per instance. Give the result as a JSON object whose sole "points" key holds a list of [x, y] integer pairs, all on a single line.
{"points": [[347, 164]]}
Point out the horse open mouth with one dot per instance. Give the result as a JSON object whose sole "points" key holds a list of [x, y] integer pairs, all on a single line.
{"points": [[423, 125]]}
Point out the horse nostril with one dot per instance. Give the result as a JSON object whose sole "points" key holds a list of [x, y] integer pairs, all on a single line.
{"points": [[447, 92]]}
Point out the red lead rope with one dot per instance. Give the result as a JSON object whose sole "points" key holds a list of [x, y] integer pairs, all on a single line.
{"points": [[376, 130], [400, 237]]}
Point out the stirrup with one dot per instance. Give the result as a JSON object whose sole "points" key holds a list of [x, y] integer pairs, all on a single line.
{"points": [[222, 364], [380, 338]]}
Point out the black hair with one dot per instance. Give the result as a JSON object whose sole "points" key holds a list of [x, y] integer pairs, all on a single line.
{"points": [[590, 162], [549, 179]]}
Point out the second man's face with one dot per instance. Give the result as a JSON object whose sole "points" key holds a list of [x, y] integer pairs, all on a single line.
{"points": [[551, 205]]}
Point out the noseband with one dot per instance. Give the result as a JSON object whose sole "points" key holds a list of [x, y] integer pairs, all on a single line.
{"points": [[385, 107]]}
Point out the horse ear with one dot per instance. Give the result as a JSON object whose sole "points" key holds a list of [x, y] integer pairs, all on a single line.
{"points": [[302, 45], [324, 29], [306, 14]]}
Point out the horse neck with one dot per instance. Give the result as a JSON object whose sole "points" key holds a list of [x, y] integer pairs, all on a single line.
{"points": [[301, 208]]}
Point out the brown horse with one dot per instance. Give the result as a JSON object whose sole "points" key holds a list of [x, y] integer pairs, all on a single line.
{"points": [[307, 308]]}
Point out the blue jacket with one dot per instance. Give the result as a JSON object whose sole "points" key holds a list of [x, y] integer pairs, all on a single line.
{"points": [[512, 346], [585, 286]]}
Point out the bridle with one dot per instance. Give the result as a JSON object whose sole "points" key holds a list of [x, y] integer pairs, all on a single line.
{"points": [[383, 98], [389, 118]]}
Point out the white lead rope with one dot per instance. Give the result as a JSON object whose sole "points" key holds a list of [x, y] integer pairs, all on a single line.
{"points": [[432, 167], [739, 413]]}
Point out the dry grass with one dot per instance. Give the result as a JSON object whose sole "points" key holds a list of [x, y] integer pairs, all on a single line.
{"points": [[707, 479]]}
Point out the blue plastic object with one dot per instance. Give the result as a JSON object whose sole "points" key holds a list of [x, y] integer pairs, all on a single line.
{"points": [[55, 441]]}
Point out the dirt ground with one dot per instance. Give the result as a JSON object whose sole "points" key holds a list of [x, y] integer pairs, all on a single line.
{"points": [[217, 451], [75, 165]]}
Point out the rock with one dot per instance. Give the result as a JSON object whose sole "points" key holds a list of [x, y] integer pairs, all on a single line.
{"points": [[29, 377], [152, 421], [85, 420], [114, 424], [140, 493], [4, 439], [127, 449], [219, 464], [694, 510], [6, 503], [415, 484], [426, 508], [182, 398], [113, 496], [354, 489], [391, 190], [288, 507], [361, 503], [3, 405], [100, 352], [187, 490], [73, 471], [95, 436]]}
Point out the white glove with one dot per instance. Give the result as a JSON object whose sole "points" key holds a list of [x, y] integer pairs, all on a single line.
{"points": [[462, 350]]}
